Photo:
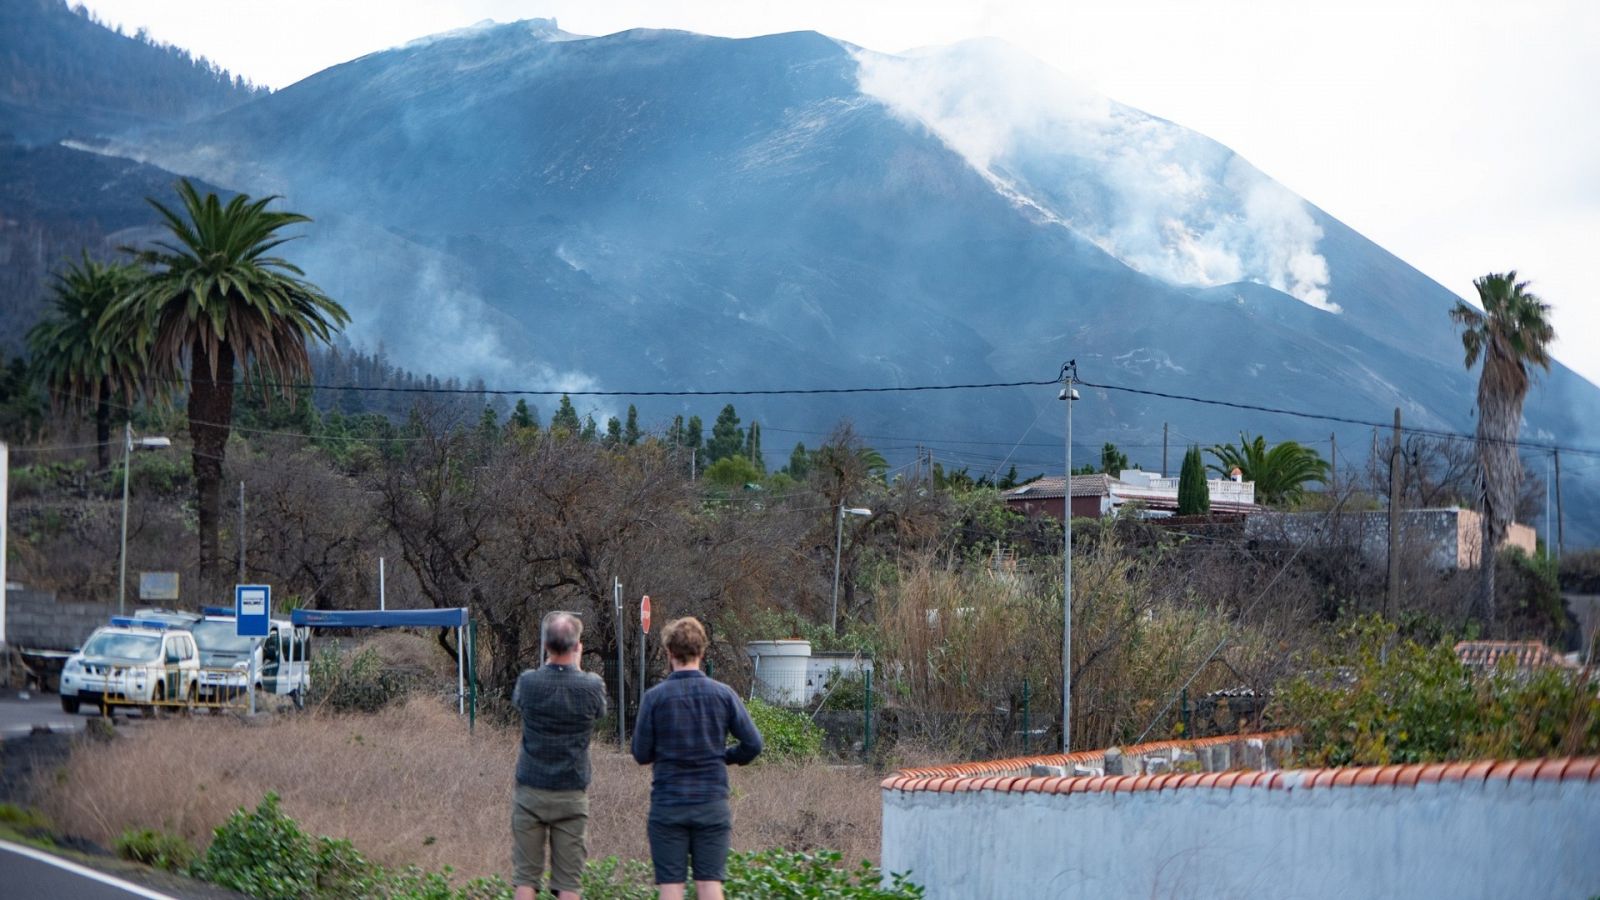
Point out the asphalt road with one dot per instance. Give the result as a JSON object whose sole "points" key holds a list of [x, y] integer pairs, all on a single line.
{"points": [[31, 873], [19, 716]]}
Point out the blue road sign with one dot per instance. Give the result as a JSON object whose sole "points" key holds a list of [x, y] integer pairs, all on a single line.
{"points": [[252, 606]]}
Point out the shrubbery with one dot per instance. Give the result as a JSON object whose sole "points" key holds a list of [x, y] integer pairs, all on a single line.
{"points": [[1385, 700], [155, 848], [361, 681], [788, 736]]}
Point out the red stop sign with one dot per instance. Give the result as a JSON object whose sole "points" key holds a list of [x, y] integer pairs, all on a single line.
{"points": [[644, 614]]}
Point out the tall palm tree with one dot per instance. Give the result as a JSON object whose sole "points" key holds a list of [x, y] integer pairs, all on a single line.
{"points": [[81, 365], [215, 301], [1280, 473], [1512, 331]]}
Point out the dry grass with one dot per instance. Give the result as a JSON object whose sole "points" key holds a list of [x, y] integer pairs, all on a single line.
{"points": [[409, 785]]}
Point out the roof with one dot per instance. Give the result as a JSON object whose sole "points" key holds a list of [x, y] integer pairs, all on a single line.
{"points": [[1525, 654], [1049, 487], [1001, 776]]}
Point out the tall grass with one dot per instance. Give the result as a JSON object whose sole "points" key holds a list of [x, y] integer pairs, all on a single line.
{"points": [[409, 785]]}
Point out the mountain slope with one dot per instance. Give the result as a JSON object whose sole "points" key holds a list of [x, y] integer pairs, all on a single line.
{"points": [[667, 210]]}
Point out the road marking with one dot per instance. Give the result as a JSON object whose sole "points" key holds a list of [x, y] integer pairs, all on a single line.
{"points": [[84, 871]]}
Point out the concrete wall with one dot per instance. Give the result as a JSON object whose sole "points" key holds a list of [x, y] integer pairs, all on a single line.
{"points": [[1515, 830], [1451, 537], [34, 620]]}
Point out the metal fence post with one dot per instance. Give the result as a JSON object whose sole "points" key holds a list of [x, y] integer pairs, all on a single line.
{"points": [[1027, 731], [866, 740], [472, 675]]}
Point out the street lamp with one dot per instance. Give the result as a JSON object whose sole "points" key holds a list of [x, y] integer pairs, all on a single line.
{"points": [[838, 548], [128, 443], [1069, 374]]}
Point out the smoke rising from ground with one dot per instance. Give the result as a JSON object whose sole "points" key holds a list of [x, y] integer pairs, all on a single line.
{"points": [[1165, 200]]}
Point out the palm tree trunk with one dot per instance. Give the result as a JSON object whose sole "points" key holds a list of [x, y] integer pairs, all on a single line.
{"points": [[210, 418], [1486, 566]]}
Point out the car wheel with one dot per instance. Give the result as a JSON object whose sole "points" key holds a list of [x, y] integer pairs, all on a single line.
{"points": [[189, 698], [153, 709], [70, 704]]}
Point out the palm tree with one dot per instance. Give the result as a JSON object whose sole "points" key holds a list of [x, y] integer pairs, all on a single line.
{"points": [[1280, 473], [1511, 331], [82, 366], [216, 301]]}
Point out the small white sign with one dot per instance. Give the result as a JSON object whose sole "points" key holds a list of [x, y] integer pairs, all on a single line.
{"points": [[252, 602]]}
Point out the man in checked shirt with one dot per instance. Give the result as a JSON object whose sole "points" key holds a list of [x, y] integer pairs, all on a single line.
{"points": [[683, 729], [559, 703]]}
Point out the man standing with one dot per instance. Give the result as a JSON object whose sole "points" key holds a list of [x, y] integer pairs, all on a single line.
{"points": [[683, 728], [559, 703]]}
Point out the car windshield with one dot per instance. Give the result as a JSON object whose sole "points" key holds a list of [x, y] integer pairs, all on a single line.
{"points": [[140, 647], [219, 635]]}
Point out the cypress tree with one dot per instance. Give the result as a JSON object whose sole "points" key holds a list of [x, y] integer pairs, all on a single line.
{"points": [[1194, 496]]}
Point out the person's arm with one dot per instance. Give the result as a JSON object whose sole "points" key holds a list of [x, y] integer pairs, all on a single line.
{"points": [[604, 701], [744, 731], [644, 733]]}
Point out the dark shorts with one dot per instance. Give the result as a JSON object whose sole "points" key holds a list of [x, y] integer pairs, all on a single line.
{"points": [[681, 833]]}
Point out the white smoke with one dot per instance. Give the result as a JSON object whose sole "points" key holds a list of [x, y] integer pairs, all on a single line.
{"points": [[1165, 200]]}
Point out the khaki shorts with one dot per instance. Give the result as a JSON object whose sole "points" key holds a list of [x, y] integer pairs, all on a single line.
{"points": [[560, 818]]}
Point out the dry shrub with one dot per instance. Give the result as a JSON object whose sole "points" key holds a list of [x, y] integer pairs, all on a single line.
{"points": [[409, 785], [960, 642]]}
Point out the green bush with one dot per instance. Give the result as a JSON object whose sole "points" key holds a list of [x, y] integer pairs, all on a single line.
{"points": [[788, 736], [1384, 700], [23, 818], [844, 692], [614, 879], [782, 875], [155, 848], [359, 682]]}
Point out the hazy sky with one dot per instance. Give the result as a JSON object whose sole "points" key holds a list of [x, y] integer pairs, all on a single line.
{"points": [[1462, 136]]}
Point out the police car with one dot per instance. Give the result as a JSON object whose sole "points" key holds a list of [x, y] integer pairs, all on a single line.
{"points": [[132, 661]]}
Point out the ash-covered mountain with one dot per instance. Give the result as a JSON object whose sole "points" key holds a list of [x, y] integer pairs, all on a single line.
{"points": [[666, 210]]}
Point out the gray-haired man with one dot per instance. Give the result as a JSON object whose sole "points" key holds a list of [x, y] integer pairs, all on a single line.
{"points": [[559, 703]]}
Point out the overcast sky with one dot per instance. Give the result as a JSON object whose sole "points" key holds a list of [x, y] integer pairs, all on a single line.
{"points": [[1462, 136]]}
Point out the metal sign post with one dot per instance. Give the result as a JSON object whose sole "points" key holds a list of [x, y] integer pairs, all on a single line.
{"points": [[252, 616], [622, 708], [644, 635]]}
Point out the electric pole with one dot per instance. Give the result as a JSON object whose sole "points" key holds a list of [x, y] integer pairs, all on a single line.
{"points": [[1163, 450], [1561, 525], [1391, 599]]}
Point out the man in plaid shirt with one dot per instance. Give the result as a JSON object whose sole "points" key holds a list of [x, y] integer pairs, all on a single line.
{"points": [[683, 728], [559, 703]]}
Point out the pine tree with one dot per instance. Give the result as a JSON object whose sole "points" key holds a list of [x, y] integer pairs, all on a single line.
{"points": [[523, 417], [1112, 460], [591, 430], [727, 439], [752, 447], [1194, 495], [693, 434], [566, 418], [630, 430], [675, 434], [613, 432], [799, 462], [489, 426]]}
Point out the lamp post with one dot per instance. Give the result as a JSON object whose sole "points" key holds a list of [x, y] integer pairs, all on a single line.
{"points": [[1069, 374], [128, 444], [838, 549]]}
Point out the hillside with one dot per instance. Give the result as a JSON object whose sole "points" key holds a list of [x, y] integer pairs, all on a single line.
{"points": [[665, 210]]}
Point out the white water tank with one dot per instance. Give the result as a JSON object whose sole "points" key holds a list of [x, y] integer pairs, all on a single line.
{"points": [[780, 670]]}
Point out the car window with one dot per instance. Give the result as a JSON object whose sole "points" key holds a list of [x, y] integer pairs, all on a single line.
{"points": [[140, 647], [174, 649], [220, 635]]}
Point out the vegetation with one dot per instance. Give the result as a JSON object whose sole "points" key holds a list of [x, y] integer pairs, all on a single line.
{"points": [[1509, 334], [84, 366], [1194, 495], [155, 848], [787, 735], [1280, 473], [214, 300], [1378, 699]]}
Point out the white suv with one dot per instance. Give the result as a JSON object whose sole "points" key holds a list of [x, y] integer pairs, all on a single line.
{"points": [[132, 661]]}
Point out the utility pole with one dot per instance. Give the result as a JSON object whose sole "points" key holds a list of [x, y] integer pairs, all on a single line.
{"points": [[1561, 523], [1164, 450], [1391, 599], [1069, 374], [693, 452]]}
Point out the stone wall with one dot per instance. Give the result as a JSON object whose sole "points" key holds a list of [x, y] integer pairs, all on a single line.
{"points": [[1449, 537], [36, 621]]}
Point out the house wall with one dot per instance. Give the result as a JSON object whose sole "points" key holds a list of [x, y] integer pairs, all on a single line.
{"points": [[1506, 834], [1082, 507]]}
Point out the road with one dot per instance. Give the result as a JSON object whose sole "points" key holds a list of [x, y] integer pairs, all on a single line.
{"points": [[19, 716], [33, 873]]}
